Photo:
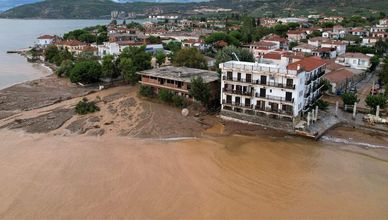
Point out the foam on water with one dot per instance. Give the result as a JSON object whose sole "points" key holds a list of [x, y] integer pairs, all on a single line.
{"points": [[350, 142]]}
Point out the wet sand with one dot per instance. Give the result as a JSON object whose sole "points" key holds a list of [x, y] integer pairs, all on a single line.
{"points": [[52, 177]]}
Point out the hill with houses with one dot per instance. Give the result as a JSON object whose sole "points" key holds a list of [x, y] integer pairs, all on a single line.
{"points": [[98, 9]]}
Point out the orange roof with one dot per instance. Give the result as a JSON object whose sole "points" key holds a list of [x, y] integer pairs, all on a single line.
{"points": [[46, 37], [308, 64], [338, 76], [272, 56], [71, 43]]}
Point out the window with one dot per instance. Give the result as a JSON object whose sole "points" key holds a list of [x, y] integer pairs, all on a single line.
{"points": [[301, 93]]}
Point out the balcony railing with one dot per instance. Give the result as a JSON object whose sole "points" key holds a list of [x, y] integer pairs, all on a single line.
{"points": [[237, 92], [274, 84], [258, 82], [275, 98], [237, 104], [258, 108], [236, 79]]}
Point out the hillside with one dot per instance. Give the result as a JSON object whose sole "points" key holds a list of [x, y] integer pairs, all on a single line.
{"points": [[7, 4], [73, 9]]}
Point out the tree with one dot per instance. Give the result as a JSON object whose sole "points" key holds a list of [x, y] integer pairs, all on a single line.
{"points": [[109, 68], [248, 25], [165, 95], [381, 47], [218, 36], [65, 68], [140, 58], [200, 90], [327, 25], [227, 54], [146, 91], [292, 44], [173, 46], [383, 73], [349, 98], [50, 52], [101, 38], [281, 29], [128, 70], [160, 57], [190, 57], [374, 100], [154, 40], [375, 60], [86, 72]]}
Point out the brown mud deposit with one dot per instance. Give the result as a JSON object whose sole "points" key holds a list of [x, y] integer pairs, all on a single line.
{"points": [[55, 164], [39, 93], [50, 177]]}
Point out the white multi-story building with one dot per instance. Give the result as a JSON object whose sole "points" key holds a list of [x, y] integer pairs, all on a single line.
{"points": [[256, 92]]}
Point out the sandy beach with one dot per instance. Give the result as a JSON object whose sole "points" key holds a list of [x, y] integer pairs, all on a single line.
{"points": [[142, 159]]}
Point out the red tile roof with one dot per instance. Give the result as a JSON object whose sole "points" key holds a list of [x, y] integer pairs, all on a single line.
{"points": [[308, 64], [71, 43], [46, 37], [338, 76], [272, 56]]}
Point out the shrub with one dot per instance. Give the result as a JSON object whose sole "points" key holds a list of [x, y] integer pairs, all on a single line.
{"points": [[200, 90], [86, 72], [179, 101], [146, 91], [349, 98], [84, 107], [323, 105], [374, 100], [165, 95]]}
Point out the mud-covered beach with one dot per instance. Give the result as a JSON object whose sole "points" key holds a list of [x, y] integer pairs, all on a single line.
{"points": [[138, 158]]}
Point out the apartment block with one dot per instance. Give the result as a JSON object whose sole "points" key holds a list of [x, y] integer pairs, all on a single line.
{"points": [[256, 91]]}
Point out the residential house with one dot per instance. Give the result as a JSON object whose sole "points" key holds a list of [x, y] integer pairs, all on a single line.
{"points": [[354, 60], [262, 47], [296, 35], [73, 46], [361, 32], [338, 79], [115, 48], [46, 40], [280, 42]]}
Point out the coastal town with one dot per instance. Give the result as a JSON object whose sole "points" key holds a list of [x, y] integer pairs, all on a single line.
{"points": [[207, 113], [298, 75]]}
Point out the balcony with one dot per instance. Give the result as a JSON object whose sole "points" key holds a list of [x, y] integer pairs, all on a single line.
{"points": [[235, 79], [275, 98], [274, 84], [237, 92], [271, 110], [308, 81], [237, 104], [307, 93]]}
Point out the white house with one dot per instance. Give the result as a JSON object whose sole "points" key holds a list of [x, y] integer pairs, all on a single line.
{"points": [[354, 60], [46, 40]]}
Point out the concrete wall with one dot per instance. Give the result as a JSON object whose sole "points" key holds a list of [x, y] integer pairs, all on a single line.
{"points": [[261, 120]]}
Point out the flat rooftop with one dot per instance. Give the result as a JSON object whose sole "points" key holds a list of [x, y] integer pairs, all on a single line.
{"points": [[183, 74]]}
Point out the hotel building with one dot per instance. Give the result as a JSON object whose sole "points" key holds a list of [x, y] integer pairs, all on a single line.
{"points": [[259, 93]]}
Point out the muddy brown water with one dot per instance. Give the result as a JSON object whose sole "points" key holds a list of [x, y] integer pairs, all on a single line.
{"points": [[51, 177]]}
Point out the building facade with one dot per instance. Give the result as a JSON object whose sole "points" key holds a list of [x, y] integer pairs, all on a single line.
{"points": [[253, 91]]}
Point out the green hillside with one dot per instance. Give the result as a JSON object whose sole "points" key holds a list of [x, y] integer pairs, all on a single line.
{"points": [[67, 9]]}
